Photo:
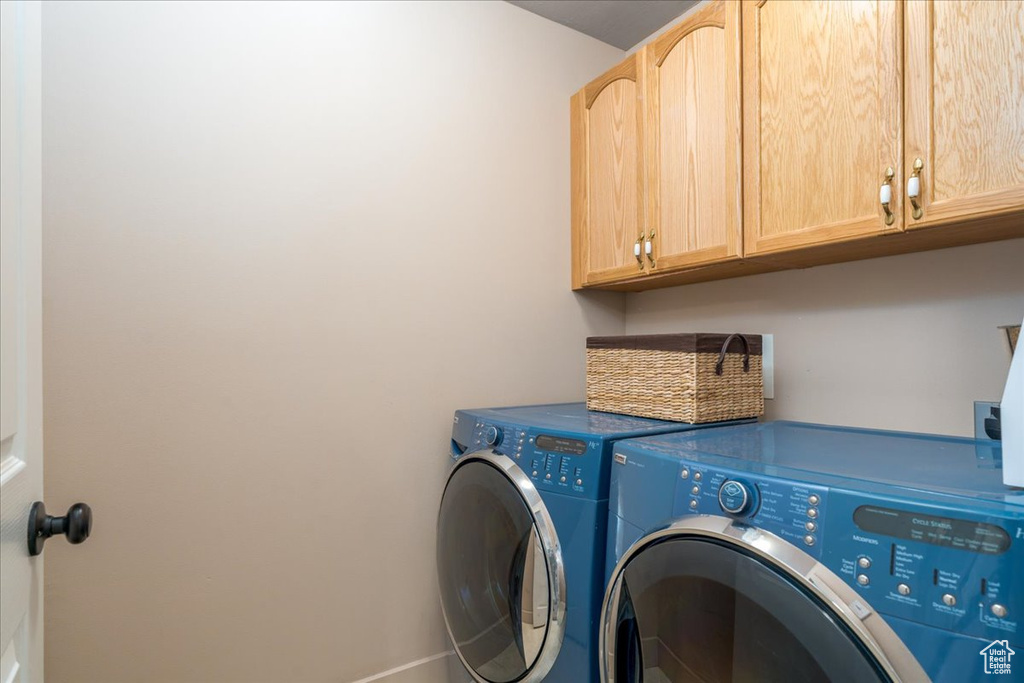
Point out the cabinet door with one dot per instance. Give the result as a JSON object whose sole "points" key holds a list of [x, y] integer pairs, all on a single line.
{"points": [[693, 140], [607, 176], [822, 114], [965, 108]]}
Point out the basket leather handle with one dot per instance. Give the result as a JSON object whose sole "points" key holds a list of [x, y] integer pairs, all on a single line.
{"points": [[725, 347]]}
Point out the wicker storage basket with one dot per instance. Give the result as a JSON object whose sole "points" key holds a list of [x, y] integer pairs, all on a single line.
{"points": [[683, 377]]}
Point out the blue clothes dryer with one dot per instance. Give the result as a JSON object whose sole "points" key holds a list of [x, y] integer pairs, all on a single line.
{"points": [[797, 552], [521, 536]]}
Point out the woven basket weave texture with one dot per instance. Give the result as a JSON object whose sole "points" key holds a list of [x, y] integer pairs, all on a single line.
{"points": [[673, 385]]}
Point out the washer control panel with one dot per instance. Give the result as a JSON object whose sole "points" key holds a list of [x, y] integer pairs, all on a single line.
{"points": [[793, 510], [565, 463]]}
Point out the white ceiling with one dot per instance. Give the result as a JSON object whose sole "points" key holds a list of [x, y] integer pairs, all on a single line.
{"points": [[622, 23]]}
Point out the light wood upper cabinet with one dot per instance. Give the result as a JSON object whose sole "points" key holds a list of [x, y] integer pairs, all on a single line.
{"points": [[964, 108], [607, 176], [772, 134], [692, 134], [822, 110]]}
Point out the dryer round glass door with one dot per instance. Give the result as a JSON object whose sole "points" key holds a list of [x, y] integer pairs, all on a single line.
{"points": [[686, 605], [499, 570]]}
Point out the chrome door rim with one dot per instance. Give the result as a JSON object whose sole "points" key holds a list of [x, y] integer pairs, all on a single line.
{"points": [[874, 633], [552, 556]]}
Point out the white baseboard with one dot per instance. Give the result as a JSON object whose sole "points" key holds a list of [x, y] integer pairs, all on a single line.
{"points": [[443, 667]]}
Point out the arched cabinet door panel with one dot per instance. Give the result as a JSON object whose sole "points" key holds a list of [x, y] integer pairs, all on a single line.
{"points": [[608, 177], [692, 133]]}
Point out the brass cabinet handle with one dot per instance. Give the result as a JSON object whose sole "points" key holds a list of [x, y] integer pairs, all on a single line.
{"points": [[636, 251], [914, 188], [649, 248], [885, 196]]}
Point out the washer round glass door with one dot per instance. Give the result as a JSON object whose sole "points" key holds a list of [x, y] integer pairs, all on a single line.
{"points": [[712, 601], [500, 571]]}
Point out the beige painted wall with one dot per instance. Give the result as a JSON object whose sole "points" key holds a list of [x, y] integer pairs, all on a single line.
{"points": [[283, 242], [905, 342]]}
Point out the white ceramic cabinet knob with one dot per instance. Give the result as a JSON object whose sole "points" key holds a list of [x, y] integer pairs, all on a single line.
{"points": [[914, 187]]}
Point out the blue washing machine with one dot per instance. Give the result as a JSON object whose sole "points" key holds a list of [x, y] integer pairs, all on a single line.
{"points": [[795, 552], [521, 538]]}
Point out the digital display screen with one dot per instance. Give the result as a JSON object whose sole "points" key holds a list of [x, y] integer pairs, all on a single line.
{"points": [[556, 444], [977, 537]]}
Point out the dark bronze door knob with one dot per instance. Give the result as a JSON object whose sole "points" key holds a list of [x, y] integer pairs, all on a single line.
{"points": [[76, 525]]}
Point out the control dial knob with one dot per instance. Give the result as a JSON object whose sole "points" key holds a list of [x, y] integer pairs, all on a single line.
{"points": [[736, 498], [493, 435]]}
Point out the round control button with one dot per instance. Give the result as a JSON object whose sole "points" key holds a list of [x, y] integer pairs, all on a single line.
{"points": [[999, 611], [697, 476], [813, 499], [863, 579], [812, 513], [695, 490], [693, 505], [492, 435], [535, 473], [734, 497], [809, 540], [949, 600], [811, 526], [561, 479], [685, 474], [579, 482], [547, 476], [864, 562], [903, 589]]}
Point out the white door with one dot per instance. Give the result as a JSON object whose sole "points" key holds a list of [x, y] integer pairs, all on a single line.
{"points": [[21, 379]]}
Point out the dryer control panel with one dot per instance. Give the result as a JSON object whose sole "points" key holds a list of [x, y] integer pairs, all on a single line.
{"points": [[952, 570], [956, 570], [793, 510]]}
